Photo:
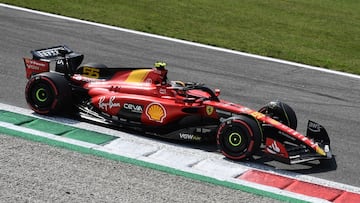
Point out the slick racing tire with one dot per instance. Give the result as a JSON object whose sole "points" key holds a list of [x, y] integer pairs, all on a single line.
{"points": [[281, 112], [48, 93], [239, 137]]}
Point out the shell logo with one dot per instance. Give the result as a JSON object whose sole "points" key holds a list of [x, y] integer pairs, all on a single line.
{"points": [[156, 112]]}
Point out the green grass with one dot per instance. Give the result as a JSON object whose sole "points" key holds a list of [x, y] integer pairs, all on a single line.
{"points": [[323, 33]]}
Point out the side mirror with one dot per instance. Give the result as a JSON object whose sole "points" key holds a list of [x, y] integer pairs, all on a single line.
{"points": [[217, 92]]}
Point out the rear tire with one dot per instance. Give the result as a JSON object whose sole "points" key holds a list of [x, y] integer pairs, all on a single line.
{"points": [[48, 93], [239, 137]]}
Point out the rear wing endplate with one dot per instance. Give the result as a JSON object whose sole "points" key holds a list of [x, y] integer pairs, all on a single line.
{"points": [[33, 67]]}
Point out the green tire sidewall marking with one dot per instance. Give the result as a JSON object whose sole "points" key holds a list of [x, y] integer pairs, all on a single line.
{"points": [[232, 137], [39, 93]]}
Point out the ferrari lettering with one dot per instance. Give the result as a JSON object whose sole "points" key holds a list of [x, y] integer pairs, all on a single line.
{"points": [[108, 105]]}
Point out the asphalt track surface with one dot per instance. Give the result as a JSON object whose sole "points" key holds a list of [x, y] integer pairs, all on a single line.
{"points": [[327, 98], [36, 172]]}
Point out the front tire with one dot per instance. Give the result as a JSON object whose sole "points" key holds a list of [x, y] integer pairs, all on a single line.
{"points": [[281, 112], [239, 137], [48, 93]]}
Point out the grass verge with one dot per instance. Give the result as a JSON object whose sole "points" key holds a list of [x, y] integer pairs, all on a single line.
{"points": [[320, 33]]}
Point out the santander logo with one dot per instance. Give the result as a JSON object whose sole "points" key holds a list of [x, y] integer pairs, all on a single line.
{"points": [[273, 148]]}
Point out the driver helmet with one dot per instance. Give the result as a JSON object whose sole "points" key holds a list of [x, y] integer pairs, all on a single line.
{"points": [[160, 67]]}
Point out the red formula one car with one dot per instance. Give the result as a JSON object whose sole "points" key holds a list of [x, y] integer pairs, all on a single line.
{"points": [[143, 99]]}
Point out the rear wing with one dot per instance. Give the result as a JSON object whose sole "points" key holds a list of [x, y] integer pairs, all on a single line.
{"points": [[51, 53], [66, 60]]}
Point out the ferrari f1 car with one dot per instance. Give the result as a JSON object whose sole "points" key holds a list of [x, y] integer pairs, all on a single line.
{"points": [[143, 99]]}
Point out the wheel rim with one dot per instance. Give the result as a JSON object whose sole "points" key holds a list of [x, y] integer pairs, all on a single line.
{"points": [[235, 139], [42, 95], [235, 142]]}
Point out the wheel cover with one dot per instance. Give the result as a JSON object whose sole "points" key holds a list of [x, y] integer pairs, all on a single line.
{"points": [[235, 142], [42, 95], [235, 139]]}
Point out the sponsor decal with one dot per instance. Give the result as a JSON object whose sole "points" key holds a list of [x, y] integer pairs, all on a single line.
{"points": [[274, 122], [257, 115], [203, 130], [35, 66], [107, 105], [81, 78], [60, 62], [273, 148], [48, 52], [187, 136], [224, 112], [156, 112], [314, 127], [134, 108], [209, 110], [276, 148]]}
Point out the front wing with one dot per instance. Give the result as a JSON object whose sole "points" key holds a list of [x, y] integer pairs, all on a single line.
{"points": [[287, 150]]}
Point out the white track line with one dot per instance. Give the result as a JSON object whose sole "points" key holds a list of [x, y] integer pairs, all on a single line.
{"points": [[184, 42]]}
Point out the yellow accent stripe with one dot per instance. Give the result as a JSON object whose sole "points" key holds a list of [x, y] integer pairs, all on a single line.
{"points": [[137, 75], [320, 151]]}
